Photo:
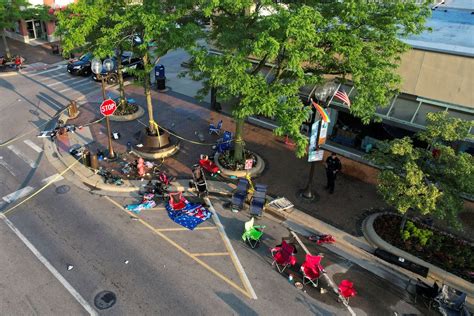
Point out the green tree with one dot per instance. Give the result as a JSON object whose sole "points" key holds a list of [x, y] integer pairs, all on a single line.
{"points": [[305, 41], [10, 12], [427, 180]]}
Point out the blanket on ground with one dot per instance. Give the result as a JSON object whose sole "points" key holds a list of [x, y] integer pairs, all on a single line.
{"points": [[190, 216]]}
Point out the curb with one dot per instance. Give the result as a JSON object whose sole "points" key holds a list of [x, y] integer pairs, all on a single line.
{"points": [[254, 172], [129, 117], [434, 272]]}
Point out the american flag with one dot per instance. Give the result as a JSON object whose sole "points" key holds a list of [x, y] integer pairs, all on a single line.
{"points": [[342, 95]]}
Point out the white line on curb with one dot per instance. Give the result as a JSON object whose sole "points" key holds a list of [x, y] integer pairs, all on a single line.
{"points": [[23, 157], [53, 177], [35, 147], [231, 250], [50, 267], [12, 197]]}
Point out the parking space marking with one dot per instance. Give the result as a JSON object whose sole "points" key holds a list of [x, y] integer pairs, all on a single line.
{"points": [[183, 229], [180, 248]]}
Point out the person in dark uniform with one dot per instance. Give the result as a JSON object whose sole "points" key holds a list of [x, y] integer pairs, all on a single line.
{"points": [[333, 166]]}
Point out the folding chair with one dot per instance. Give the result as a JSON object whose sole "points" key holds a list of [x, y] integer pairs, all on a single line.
{"points": [[346, 289], [258, 200], [312, 269], [224, 143], [283, 256], [240, 195], [177, 201], [252, 234], [215, 129]]}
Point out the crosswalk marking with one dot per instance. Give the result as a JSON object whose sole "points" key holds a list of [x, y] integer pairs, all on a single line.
{"points": [[12, 197], [53, 177], [46, 71], [22, 156], [60, 82], [33, 145], [4, 164], [76, 85]]}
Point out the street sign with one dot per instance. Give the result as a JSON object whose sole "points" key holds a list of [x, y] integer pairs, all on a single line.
{"points": [[108, 107]]}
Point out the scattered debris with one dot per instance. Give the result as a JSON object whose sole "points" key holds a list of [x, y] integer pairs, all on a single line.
{"points": [[126, 262], [70, 267]]}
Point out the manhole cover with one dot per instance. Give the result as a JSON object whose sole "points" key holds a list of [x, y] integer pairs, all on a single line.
{"points": [[63, 189], [105, 299]]}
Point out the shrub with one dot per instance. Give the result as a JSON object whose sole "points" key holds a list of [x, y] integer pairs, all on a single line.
{"points": [[411, 231]]}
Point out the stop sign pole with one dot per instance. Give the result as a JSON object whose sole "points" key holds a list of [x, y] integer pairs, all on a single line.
{"points": [[108, 108]]}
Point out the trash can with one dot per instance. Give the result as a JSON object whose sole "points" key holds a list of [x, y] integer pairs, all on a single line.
{"points": [[160, 77], [55, 49]]}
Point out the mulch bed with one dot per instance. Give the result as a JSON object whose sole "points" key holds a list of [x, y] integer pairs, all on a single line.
{"points": [[443, 250], [227, 160], [126, 109]]}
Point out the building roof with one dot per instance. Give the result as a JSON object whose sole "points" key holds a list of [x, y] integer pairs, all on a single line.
{"points": [[452, 25]]}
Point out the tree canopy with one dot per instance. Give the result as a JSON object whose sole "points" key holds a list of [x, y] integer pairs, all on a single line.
{"points": [[304, 42], [427, 180]]}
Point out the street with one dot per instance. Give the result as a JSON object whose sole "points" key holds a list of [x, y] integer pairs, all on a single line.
{"points": [[76, 245]]}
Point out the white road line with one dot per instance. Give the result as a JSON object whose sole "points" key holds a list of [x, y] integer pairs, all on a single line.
{"points": [[76, 85], [60, 82], [231, 250], [50, 267], [4, 164], [23, 157], [35, 147], [12, 197], [46, 71], [53, 177]]}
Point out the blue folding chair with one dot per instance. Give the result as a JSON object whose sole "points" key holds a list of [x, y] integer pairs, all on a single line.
{"points": [[240, 195], [258, 200], [215, 129], [224, 143]]}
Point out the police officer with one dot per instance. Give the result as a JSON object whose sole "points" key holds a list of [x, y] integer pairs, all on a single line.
{"points": [[333, 166]]}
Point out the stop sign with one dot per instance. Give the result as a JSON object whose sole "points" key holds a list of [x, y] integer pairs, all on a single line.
{"points": [[108, 107]]}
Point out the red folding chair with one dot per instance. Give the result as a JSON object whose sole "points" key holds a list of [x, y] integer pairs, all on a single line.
{"points": [[346, 289], [177, 201], [283, 256], [312, 269]]}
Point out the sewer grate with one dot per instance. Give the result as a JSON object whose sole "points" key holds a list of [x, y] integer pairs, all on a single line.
{"points": [[105, 299], [62, 189]]}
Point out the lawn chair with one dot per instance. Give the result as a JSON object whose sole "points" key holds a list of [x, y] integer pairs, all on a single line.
{"points": [[177, 201], [312, 269], [258, 200], [224, 143], [346, 289], [283, 256], [240, 195], [252, 234], [215, 129]]}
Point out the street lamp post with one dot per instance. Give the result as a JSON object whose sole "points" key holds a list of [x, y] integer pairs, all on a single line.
{"points": [[321, 94], [97, 67]]}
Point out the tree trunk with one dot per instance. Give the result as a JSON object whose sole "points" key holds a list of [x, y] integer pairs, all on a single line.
{"points": [[239, 145], [8, 54], [122, 100], [404, 221], [149, 105]]}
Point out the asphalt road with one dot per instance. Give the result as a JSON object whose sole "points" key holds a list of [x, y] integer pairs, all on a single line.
{"points": [[151, 265]]}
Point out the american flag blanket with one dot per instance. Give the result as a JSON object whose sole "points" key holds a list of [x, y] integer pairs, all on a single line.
{"points": [[190, 216]]}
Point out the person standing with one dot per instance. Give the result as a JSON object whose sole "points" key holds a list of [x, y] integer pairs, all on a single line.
{"points": [[333, 166]]}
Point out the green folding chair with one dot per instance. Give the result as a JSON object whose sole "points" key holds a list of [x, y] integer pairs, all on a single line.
{"points": [[252, 234]]}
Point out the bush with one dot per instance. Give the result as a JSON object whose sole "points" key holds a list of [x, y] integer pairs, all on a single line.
{"points": [[411, 231]]}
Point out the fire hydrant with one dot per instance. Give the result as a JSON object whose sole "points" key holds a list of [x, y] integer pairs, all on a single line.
{"points": [[141, 167]]}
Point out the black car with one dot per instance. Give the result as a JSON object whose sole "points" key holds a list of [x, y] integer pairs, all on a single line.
{"points": [[81, 66], [128, 62]]}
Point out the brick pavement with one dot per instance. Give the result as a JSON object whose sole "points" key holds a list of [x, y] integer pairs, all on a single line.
{"points": [[32, 54]]}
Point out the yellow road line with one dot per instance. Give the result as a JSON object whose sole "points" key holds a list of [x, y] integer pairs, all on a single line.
{"points": [[208, 254], [59, 175], [205, 265], [183, 229]]}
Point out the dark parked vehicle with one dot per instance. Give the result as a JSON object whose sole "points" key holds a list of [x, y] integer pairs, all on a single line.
{"points": [[81, 66], [128, 62]]}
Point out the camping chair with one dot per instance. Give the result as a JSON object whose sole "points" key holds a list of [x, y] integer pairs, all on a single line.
{"points": [[215, 129], [258, 200], [224, 143], [312, 269], [177, 201], [240, 195], [252, 234], [283, 256], [346, 289]]}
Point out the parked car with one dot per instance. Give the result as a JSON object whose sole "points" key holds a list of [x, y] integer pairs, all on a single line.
{"points": [[128, 62], [81, 66]]}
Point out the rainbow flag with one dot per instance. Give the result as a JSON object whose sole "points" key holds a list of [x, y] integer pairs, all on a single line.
{"points": [[321, 111]]}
